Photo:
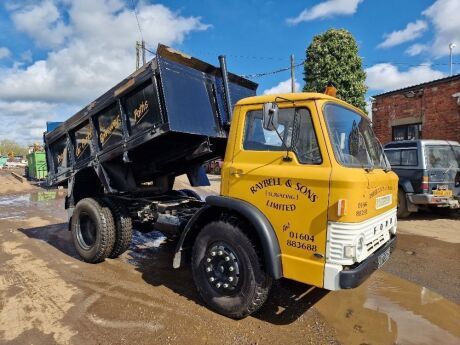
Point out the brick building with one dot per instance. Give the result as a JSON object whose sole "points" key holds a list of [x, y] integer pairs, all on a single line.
{"points": [[426, 111]]}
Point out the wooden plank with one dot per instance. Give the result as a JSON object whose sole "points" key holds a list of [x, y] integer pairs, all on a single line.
{"points": [[18, 177]]}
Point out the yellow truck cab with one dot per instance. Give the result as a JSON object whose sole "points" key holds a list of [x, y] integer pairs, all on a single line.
{"points": [[320, 177]]}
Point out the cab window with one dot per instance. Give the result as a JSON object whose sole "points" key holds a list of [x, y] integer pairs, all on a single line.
{"points": [[404, 157], [295, 128]]}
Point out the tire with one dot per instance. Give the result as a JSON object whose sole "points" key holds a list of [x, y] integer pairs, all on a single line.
{"points": [[248, 285], [402, 211], [93, 230], [123, 228]]}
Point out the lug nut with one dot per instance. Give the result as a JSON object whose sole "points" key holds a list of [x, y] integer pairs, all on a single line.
{"points": [[231, 268], [218, 285], [212, 279], [208, 260], [225, 285], [220, 252], [227, 258], [208, 269], [213, 253], [230, 279]]}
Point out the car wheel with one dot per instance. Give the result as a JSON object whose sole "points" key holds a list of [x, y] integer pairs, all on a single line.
{"points": [[227, 271], [123, 227], [93, 230]]}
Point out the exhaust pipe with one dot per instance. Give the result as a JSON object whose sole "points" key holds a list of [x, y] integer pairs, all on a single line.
{"points": [[223, 68]]}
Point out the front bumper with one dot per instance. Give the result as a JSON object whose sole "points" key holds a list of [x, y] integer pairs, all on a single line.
{"points": [[433, 200], [354, 277], [335, 278]]}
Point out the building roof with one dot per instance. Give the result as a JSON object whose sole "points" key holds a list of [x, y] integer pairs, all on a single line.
{"points": [[429, 83]]}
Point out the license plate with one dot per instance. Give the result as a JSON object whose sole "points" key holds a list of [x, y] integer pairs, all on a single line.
{"points": [[442, 192], [382, 258], [383, 201]]}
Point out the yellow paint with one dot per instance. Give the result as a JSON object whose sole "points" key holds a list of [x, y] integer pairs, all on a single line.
{"points": [[299, 199]]}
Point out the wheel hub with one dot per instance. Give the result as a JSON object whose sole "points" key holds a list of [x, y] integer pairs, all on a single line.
{"points": [[86, 231], [222, 268]]}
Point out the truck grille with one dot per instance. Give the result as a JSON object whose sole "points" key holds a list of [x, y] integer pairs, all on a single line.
{"points": [[376, 232]]}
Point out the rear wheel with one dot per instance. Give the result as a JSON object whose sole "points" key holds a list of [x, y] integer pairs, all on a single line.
{"points": [[402, 212], [93, 230], [123, 227], [227, 271]]}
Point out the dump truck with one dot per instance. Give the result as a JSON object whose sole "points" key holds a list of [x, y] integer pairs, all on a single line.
{"points": [[306, 192]]}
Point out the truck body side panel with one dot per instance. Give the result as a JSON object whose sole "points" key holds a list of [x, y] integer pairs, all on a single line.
{"points": [[166, 119]]}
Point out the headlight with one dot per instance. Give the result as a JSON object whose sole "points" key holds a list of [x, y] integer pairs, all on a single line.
{"points": [[349, 252], [393, 228], [355, 251], [359, 246]]}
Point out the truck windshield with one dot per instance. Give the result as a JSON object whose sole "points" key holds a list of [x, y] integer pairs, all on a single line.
{"points": [[353, 139], [442, 156]]}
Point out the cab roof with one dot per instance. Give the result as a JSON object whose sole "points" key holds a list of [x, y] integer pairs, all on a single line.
{"points": [[298, 96]]}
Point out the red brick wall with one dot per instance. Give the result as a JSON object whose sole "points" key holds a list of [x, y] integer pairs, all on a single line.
{"points": [[435, 108]]}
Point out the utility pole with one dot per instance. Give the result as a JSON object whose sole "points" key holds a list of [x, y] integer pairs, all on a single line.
{"points": [[140, 53], [292, 74], [137, 55], [451, 47], [143, 52]]}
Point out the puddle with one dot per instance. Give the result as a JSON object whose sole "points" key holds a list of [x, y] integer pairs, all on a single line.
{"points": [[144, 246], [42, 203], [389, 310]]}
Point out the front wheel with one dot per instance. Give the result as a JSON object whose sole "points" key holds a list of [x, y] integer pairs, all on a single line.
{"points": [[227, 271]]}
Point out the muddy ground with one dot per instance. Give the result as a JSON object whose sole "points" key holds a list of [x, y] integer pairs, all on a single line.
{"points": [[49, 296]]}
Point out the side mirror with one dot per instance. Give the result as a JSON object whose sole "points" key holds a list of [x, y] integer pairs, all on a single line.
{"points": [[270, 116]]}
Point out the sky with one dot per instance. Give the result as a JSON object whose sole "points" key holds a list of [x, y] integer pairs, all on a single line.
{"points": [[58, 55]]}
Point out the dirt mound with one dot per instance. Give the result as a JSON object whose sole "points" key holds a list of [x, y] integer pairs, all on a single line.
{"points": [[9, 184]]}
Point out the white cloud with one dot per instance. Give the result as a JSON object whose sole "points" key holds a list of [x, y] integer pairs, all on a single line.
{"points": [[369, 108], [409, 33], [326, 9], [282, 87], [42, 22], [416, 49], [444, 15], [91, 50], [25, 122], [4, 52], [387, 77]]}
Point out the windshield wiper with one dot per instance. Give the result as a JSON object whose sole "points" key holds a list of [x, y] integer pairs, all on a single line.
{"points": [[451, 166], [368, 169]]}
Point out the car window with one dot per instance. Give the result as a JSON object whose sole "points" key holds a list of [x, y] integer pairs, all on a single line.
{"points": [[394, 156], [441, 156], [409, 157], [353, 140], [299, 133]]}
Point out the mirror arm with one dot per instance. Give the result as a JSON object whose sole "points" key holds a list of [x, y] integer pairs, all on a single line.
{"points": [[288, 149]]}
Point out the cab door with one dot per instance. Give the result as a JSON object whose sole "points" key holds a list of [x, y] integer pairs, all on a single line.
{"points": [[290, 188]]}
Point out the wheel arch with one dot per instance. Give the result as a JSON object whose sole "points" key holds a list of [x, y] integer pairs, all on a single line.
{"points": [[215, 206], [86, 183]]}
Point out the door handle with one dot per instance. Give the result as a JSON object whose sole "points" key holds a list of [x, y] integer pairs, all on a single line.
{"points": [[236, 172]]}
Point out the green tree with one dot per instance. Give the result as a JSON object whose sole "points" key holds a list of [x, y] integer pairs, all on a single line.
{"points": [[7, 146], [333, 56]]}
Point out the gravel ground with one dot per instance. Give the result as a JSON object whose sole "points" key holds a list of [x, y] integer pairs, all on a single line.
{"points": [[49, 296]]}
